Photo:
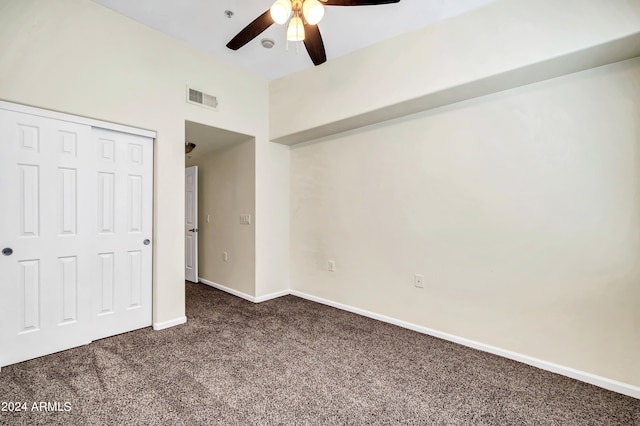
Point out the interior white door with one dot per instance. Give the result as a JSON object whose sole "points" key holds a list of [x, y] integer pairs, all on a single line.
{"points": [[75, 213], [46, 225], [123, 254], [191, 224]]}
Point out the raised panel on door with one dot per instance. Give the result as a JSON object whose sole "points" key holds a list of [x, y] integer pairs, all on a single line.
{"points": [[69, 289], [67, 201], [105, 284], [124, 217], [45, 287], [30, 296], [29, 199]]}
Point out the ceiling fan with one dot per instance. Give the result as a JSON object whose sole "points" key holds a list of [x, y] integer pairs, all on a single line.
{"points": [[302, 25]]}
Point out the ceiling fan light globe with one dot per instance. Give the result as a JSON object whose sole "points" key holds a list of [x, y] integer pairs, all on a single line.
{"points": [[313, 11], [280, 11], [295, 31]]}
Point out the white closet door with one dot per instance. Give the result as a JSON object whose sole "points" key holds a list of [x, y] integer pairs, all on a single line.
{"points": [[47, 219], [75, 214], [123, 256]]}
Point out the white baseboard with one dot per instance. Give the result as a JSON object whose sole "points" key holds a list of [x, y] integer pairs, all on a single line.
{"points": [[237, 293], [270, 296], [245, 296], [603, 382], [166, 324]]}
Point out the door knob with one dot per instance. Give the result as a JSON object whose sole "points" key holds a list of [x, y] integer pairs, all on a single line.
{"points": [[146, 242], [193, 230], [7, 251]]}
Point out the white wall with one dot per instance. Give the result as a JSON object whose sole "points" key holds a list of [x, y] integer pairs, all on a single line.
{"points": [[521, 208], [78, 57], [226, 189]]}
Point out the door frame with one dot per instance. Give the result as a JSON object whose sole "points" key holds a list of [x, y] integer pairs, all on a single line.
{"points": [[77, 119]]}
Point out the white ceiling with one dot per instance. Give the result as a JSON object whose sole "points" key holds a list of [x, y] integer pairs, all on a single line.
{"points": [[203, 24]]}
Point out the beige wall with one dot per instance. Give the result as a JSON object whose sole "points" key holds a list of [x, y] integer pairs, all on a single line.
{"points": [[505, 44], [521, 209], [272, 220], [226, 189], [78, 57]]}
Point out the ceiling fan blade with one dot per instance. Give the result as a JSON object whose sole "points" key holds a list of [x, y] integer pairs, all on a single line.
{"points": [[251, 31], [313, 43], [358, 2]]}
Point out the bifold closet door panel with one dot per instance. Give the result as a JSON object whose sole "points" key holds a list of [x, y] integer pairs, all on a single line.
{"points": [[122, 296], [47, 229]]}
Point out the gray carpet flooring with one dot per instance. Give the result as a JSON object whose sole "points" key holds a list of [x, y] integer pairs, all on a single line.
{"points": [[289, 361]]}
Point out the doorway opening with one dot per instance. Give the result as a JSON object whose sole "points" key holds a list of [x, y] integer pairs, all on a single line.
{"points": [[219, 208]]}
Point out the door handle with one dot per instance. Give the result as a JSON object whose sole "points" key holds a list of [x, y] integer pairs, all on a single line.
{"points": [[7, 251], [146, 242], [193, 230]]}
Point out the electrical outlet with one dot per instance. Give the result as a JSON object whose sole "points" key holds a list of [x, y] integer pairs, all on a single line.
{"points": [[245, 219], [418, 280], [331, 265], [225, 256]]}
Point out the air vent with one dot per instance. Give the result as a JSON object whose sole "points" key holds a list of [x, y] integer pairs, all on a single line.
{"points": [[200, 98]]}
